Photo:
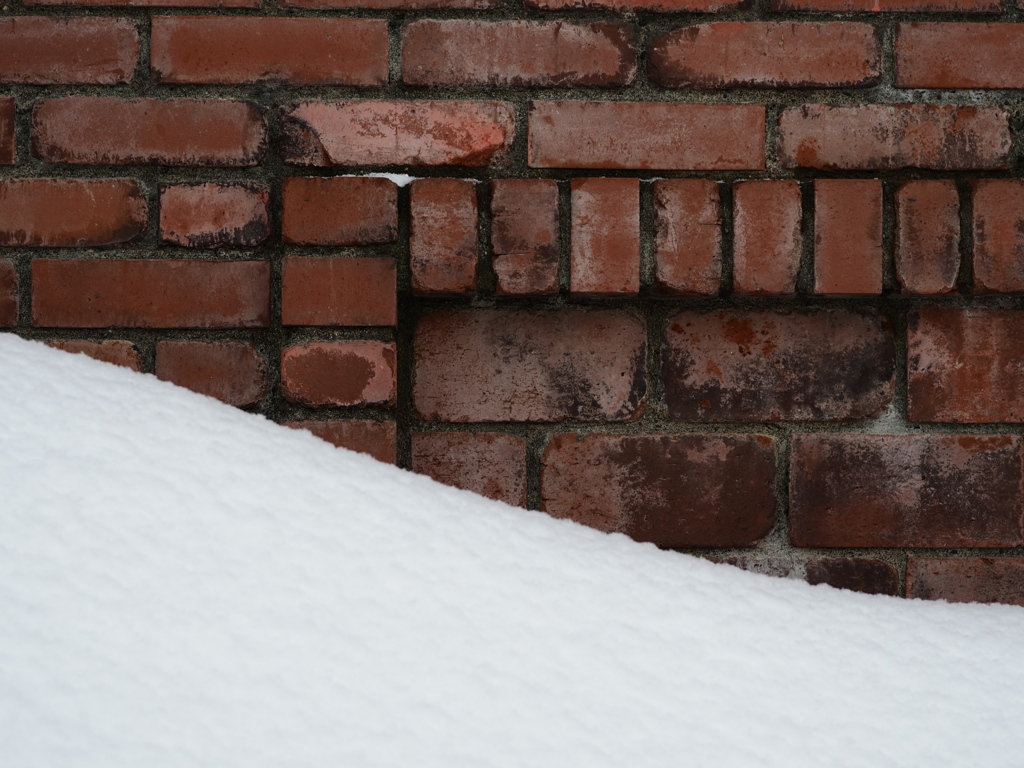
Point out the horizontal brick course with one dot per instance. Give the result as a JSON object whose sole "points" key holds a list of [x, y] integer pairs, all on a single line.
{"points": [[859, 574], [492, 464], [889, 6], [214, 215], [338, 211], [39, 50], [967, 579], [231, 371], [121, 353], [402, 5], [374, 438], [339, 373], [325, 290], [151, 3], [636, 6], [946, 55]]}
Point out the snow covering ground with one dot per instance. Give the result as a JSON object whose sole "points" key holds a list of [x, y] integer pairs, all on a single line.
{"points": [[184, 584]]}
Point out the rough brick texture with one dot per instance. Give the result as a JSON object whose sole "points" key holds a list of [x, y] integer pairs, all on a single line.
{"points": [[998, 235], [8, 137], [633, 6], [443, 236], [153, 3], [338, 211], [41, 51], [374, 438], [687, 237], [605, 237], [326, 290], [492, 464], [339, 373], [231, 371], [766, 220], [214, 215], [873, 577], [888, 6], [524, 236], [848, 237], [932, 55], [927, 236], [8, 295], [967, 579], [121, 353]]}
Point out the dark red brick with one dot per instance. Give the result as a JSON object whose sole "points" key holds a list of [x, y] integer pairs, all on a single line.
{"points": [[39, 50], [923, 490], [492, 464], [150, 293], [8, 137], [646, 135], [517, 53], [777, 366], [214, 215], [327, 290], [998, 235], [339, 373], [524, 236], [672, 490], [375, 438], [70, 212], [687, 237], [401, 5], [927, 236], [766, 222], [967, 579], [325, 133], [509, 365], [298, 51], [108, 131], [443, 237], [121, 353], [8, 295], [153, 3], [873, 577], [945, 55], [231, 371], [889, 6], [893, 136], [848, 237], [634, 6], [763, 54], [605, 237], [340, 210]]}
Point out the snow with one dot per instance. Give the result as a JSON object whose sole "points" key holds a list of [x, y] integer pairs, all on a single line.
{"points": [[185, 584]]}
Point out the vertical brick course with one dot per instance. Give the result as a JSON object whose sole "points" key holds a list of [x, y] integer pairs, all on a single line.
{"points": [[766, 218], [927, 236], [443, 236], [687, 237], [848, 237], [605, 237], [524, 236]]}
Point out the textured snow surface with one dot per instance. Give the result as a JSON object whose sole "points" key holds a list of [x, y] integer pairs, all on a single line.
{"points": [[184, 584]]}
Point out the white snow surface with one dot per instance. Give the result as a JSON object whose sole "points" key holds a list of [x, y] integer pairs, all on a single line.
{"points": [[184, 584]]}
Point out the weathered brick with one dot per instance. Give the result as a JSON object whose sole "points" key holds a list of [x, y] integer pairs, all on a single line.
{"points": [[324, 133], [859, 490], [672, 490], [646, 135], [339, 373], [343, 210], [492, 464], [70, 213], [762, 54], [927, 249], [231, 371], [214, 215], [965, 366], [153, 3], [150, 293], [605, 237], [893, 136], [443, 237], [108, 131], [327, 290], [998, 235], [945, 55], [889, 6], [516, 53], [8, 138], [766, 219], [873, 577], [524, 236], [300, 51], [378, 439], [8, 295], [508, 365], [967, 579], [39, 50], [848, 237], [121, 353], [777, 366], [634, 6], [402, 5], [687, 237]]}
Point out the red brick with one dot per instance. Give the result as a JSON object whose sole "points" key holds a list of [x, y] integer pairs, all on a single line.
{"points": [[121, 353], [777, 366], [687, 237], [605, 237], [231, 371], [998, 235], [153, 3], [646, 135], [966, 366], [324, 133], [848, 236], [107, 131], [945, 55], [517, 53], [150, 293], [8, 137], [967, 579], [509, 365], [766, 219], [443, 237], [402, 5], [492, 464], [927, 236], [873, 577], [858, 490], [524, 236], [375, 438], [300, 51], [632, 6], [214, 215], [70, 213], [339, 373], [893, 136], [672, 490], [41, 51], [889, 6], [344, 210], [325, 290], [761, 54], [8, 295]]}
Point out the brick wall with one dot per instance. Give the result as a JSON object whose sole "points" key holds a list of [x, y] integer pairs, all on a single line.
{"points": [[742, 279]]}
